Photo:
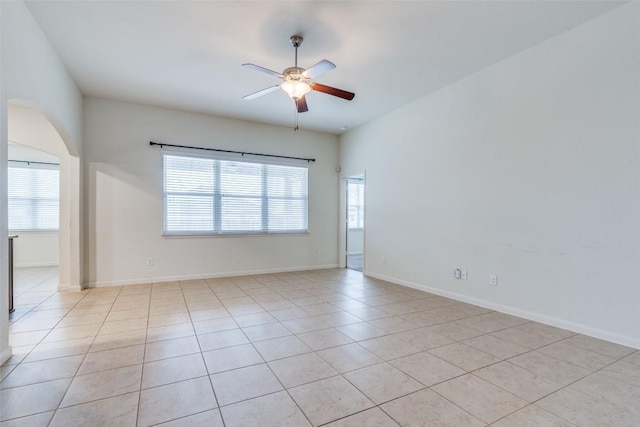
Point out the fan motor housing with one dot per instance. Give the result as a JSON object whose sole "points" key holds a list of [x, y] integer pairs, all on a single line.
{"points": [[296, 40], [294, 73]]}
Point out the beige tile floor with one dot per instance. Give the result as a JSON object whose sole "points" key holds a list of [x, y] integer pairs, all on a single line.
{"points": [[327, 347]]}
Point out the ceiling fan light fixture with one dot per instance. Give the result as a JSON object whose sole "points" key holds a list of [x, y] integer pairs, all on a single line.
{"points": [[296, 89]]}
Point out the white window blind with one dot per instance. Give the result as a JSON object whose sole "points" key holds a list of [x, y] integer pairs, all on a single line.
{"points": [[33, 197], [215, 196], [355, 190]]}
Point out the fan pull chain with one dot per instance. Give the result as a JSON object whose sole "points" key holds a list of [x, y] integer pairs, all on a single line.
{"points": [[296, 127]]}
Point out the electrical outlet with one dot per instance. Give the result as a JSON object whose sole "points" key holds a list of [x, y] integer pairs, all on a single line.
{"points": [[457, 274], [149, 262], [383, 259], [493, 280]]}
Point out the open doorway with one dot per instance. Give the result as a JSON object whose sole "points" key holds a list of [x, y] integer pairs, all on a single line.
{"points": [[355, 223], [33, 196], [45, 213]]}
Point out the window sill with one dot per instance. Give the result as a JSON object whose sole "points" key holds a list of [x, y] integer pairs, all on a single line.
{"points": [[33, 231], [226, 235]]}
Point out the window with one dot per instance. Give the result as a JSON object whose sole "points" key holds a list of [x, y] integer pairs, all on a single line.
{"points": [[355, 189], [214, 196], [33, 197]]}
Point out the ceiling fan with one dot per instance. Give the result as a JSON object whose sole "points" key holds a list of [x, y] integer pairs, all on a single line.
{"points": [[297, 81]]}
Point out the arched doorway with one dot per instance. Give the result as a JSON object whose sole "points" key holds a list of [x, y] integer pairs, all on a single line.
{"points": [[27, 126], [33, 193], [25, 122]]}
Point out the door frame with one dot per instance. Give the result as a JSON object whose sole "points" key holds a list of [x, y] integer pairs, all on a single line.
{"points": [[343, 219]]}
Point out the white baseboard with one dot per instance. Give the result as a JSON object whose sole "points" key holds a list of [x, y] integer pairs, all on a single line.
{"points": [[74, 288], [101, 284], [525, 314], [5, 354], [36, 264], [69, 287]]}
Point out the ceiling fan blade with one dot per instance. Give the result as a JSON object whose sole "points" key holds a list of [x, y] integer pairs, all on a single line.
{"points": [[259, 93], [302, 105], [333, 91], [264, 70], [318, 69]]}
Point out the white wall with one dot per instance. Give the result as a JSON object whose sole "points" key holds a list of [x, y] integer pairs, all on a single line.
{"points": [[33, 74], [124, 196], [529, 170], [20, 151], [35, 249], [32, 248]]}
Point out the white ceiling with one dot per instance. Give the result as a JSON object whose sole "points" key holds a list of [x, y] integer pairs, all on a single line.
{"points": [[187, 54]]}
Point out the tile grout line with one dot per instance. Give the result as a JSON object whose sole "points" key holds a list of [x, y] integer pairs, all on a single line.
{"points": [[206, 367], [144, 354]]}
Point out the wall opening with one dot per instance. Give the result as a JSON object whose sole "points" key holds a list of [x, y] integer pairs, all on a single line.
{"points": [[354, 203], [42, 251]]}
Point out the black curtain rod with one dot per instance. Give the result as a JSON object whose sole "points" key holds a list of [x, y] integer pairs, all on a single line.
{"points": [[231, 151], [35, 163]]}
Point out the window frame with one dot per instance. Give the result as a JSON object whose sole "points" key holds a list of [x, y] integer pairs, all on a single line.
{"points": [[217, 196]]}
